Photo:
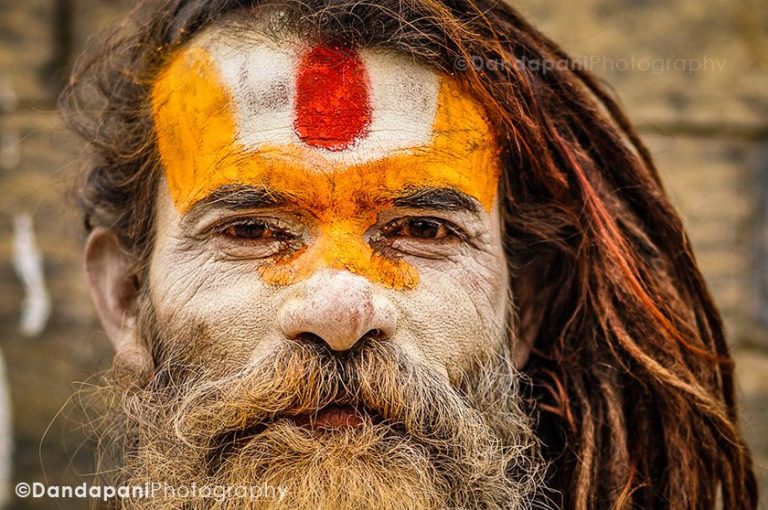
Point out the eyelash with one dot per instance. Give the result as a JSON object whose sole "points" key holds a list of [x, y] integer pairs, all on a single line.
{"points": [[453, 231], [278, 233]]}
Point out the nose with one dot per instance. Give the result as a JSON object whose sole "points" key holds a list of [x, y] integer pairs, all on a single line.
{"points": [[340, 308]]}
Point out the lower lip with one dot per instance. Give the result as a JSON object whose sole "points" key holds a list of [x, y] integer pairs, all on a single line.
{"points": [[332, 417]]}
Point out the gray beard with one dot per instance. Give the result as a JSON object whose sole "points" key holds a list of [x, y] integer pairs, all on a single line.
{"points": [[204, 441]]}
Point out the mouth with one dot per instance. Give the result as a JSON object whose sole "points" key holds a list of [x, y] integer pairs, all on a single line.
{"points": [[335, 416], [338, 415]]}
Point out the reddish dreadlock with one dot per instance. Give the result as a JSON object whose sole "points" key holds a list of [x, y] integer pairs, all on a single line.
{"points": [[630, 369]]}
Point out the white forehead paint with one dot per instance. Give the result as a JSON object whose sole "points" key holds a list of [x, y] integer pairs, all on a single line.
{"points": [[261, 76]]}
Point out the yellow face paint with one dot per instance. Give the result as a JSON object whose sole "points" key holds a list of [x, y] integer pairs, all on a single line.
{"points": [[197, 134]]}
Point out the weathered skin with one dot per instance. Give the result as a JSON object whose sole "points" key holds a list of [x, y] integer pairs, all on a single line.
{"points": [[331, 260], [454, 311]]}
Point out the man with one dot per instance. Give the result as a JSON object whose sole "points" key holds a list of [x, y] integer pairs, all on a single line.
{"points": [[335, 258]]}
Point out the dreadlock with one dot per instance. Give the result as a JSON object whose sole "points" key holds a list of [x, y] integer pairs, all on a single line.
{"points": [[630, 373]]}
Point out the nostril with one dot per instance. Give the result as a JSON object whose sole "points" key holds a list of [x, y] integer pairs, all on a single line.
{"points": [[375, 334], [309, 338]]}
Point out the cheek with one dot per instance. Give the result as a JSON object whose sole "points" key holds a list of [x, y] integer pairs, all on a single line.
{"points": [[211, 315], [457, 313]]}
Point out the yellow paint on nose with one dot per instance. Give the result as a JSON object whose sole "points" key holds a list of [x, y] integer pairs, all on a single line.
{"points": [[342, 246], [196, 128]]}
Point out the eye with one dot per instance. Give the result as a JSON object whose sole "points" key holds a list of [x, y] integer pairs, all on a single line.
{"points": [[421, 228], [248, 231], [251, 230]]}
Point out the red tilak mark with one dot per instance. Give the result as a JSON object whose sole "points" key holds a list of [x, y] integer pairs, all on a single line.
{"points": [[332, 105]]}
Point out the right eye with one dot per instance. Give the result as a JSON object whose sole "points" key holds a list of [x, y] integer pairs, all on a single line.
{"points": [[254, 238], [249, 231], [254, 231]]}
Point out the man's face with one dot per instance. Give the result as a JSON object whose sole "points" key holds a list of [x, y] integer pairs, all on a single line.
{"points": [[328, 195], [328, 285]]}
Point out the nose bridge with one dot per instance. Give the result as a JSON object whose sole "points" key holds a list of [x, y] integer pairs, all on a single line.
{"points": [[340, 308], [341, 246]]}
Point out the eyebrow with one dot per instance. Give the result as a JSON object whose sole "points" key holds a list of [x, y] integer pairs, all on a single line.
{"points": [[237, 198], [439, 199], [241, 197]]}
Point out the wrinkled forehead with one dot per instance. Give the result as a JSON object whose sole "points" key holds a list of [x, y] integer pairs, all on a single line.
{"points": [[282, 102]]}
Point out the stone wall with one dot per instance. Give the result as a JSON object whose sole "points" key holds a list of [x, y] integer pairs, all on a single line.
{"points": [[693, 75]]}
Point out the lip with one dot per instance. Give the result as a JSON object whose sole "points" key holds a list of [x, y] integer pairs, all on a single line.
{"points": [[334, 416], [337, 416]]}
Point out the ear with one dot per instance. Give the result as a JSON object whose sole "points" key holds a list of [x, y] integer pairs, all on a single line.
{"points": [[114, 290]]}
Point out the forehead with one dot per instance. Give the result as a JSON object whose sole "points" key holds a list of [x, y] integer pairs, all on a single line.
{"points": [[231, 109], [350, 106]]}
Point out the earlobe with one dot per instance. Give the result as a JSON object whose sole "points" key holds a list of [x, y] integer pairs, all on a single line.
{"points": [[111, 280]]}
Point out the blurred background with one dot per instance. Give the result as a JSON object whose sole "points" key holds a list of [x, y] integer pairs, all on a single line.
{"points": [[692, 74]]}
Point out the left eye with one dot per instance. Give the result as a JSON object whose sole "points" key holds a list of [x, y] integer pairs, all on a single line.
{"points": [[421, 228]]}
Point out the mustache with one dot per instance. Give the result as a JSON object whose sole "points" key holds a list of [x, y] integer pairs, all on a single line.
{"points": [[462, 441], [398, 395]]}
